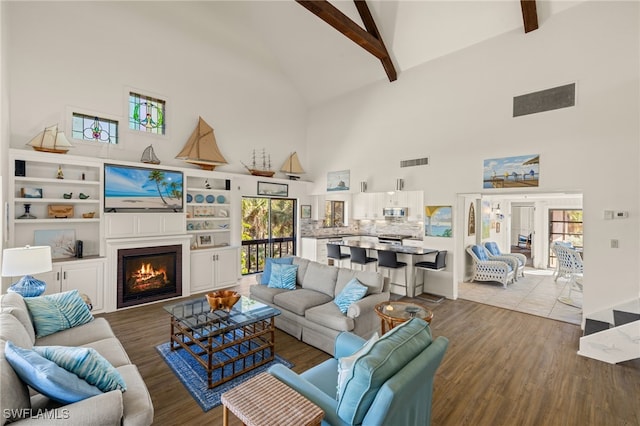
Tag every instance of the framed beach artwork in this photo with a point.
(61, 241)
(273, 189)
(486, 219)
(438, 221)
(512, 172)
(338, 181)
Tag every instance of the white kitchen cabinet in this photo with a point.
(214, 268)
(316, 248)
(85, 275)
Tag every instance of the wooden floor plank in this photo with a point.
(501, 368)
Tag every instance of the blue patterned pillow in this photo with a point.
(266, 274)
(352, 292)
(283, 276)
(85, 363)
(57, 312)
(46, 377)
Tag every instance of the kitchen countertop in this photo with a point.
(391, 247)
(324, 237)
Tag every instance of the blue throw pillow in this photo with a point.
(47, 377)
(57, 312)
(266, 274)
(352, 292)
(85, 363)
(283, 276)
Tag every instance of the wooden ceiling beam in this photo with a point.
(529, 15)
(370, 25)
(369, 41)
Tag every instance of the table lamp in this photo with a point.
(26, 261)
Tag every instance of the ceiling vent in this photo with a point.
(415, 162)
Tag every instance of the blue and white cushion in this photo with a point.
(85, 363)
(57, 312)
(283, 276)
(352, 292)
(47, 377)
(266, 273)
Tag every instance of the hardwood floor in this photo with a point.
(501, 368)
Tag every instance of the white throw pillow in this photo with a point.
(345, 364)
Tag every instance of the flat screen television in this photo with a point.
(129, 188)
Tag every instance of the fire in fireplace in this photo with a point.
(147, 274)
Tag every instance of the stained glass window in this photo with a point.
(146, 114)
(92, 128)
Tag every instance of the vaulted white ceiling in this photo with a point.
(322, 63)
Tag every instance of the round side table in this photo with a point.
(393, 313)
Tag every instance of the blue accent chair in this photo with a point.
(494, 251)
(409, 357)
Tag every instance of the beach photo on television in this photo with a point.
(141, 188)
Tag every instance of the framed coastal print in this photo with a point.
(338, 181)
(512, 172)
(305, 211)
(61, 241)
(273, 189)
(438, 221)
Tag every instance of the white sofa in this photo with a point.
(309, 313)
(21, 404)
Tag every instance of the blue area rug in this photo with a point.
(194, 377)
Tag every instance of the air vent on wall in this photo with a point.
(415, 162)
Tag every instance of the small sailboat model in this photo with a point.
(265, 170)
(149, 157)
(50, 140)
(291, 167)
(201, 148)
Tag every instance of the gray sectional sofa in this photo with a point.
(309, 313)
(22, 405)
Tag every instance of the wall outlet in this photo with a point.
(608, 214)
(614, 243)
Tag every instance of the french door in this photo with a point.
(268, 230)
(564, 225)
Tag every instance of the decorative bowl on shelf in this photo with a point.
(189, 198)
(210, 199)
(88, 215)
(222, 299)
(199, 198)
(221, 199)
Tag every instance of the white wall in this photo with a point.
(457, 111)
(66, 55)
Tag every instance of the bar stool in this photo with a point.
(439, 263)
(334, 252)
(389, 259)
(359, 256)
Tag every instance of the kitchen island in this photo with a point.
(408, 254)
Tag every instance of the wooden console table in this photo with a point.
(266, 401)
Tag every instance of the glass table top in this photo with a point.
(198, 315)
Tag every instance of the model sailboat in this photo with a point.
(201, 148)
(256, 169)
(291, 167)
(50, 140)
(149, 156)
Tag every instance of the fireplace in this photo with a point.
(147, 274)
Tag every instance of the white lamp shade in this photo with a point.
(26, 261)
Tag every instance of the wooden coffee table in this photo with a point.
(393, 313)
(266, 401)
(230, 343)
